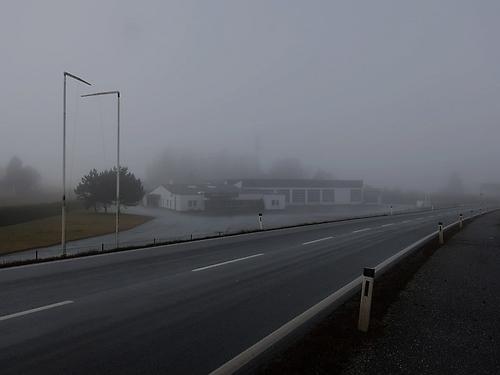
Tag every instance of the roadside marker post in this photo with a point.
(391, 210)
(365, 304)
(261, 225)
(460, 221)
(441, 233)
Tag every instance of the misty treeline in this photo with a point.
(18, 179)
(452, 193)
(98, 189)
(193, 167)
(177, 166)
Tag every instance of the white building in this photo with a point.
(256, 194)
(210, 197)
(271, 201)
(176, 197)
(300, 192)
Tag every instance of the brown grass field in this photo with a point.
(47, 232)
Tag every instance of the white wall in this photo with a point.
(177, 202)
(267, 199)
(182, 202)
(279, 201)
(342, 195)
(161, 191)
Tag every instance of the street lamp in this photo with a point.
(117, 221)
(63, 219)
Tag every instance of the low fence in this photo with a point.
(55, 252)
(364, 283)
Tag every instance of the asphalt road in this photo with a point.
(186, 308)
(169, 225)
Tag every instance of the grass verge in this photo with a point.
(47, 231)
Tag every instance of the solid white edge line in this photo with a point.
(255, 350)
(318, 240)
(227, 262)
(37, 309)
(252, 352)
(361, 230)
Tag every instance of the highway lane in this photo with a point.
(186, 308)
(169, 225)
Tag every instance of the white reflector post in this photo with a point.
(366, 299)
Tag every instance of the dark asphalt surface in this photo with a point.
(151, 311)
(447, 320)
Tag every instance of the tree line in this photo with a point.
(188, 166)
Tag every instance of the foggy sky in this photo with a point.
(393, 92)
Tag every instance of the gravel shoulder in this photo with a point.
(447, 319)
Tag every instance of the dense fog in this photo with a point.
(400, 94)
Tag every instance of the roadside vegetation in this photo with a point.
(30, 226)
(11, 215)
(98, 189)
(47, 231)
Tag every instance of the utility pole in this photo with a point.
(117, 216)
(63, 218)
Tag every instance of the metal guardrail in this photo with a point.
(333, 301)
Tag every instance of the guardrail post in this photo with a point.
(441, 233)
(365, 304)
(460, 221)
(154, 240)
(102, 246)
(261, 225)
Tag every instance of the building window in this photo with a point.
(356, 195)
(313, 196)
(195, 203)
(298, 196)
(329, 195)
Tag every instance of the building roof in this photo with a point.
(295, 183)
(182, 189)
(206, 189)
